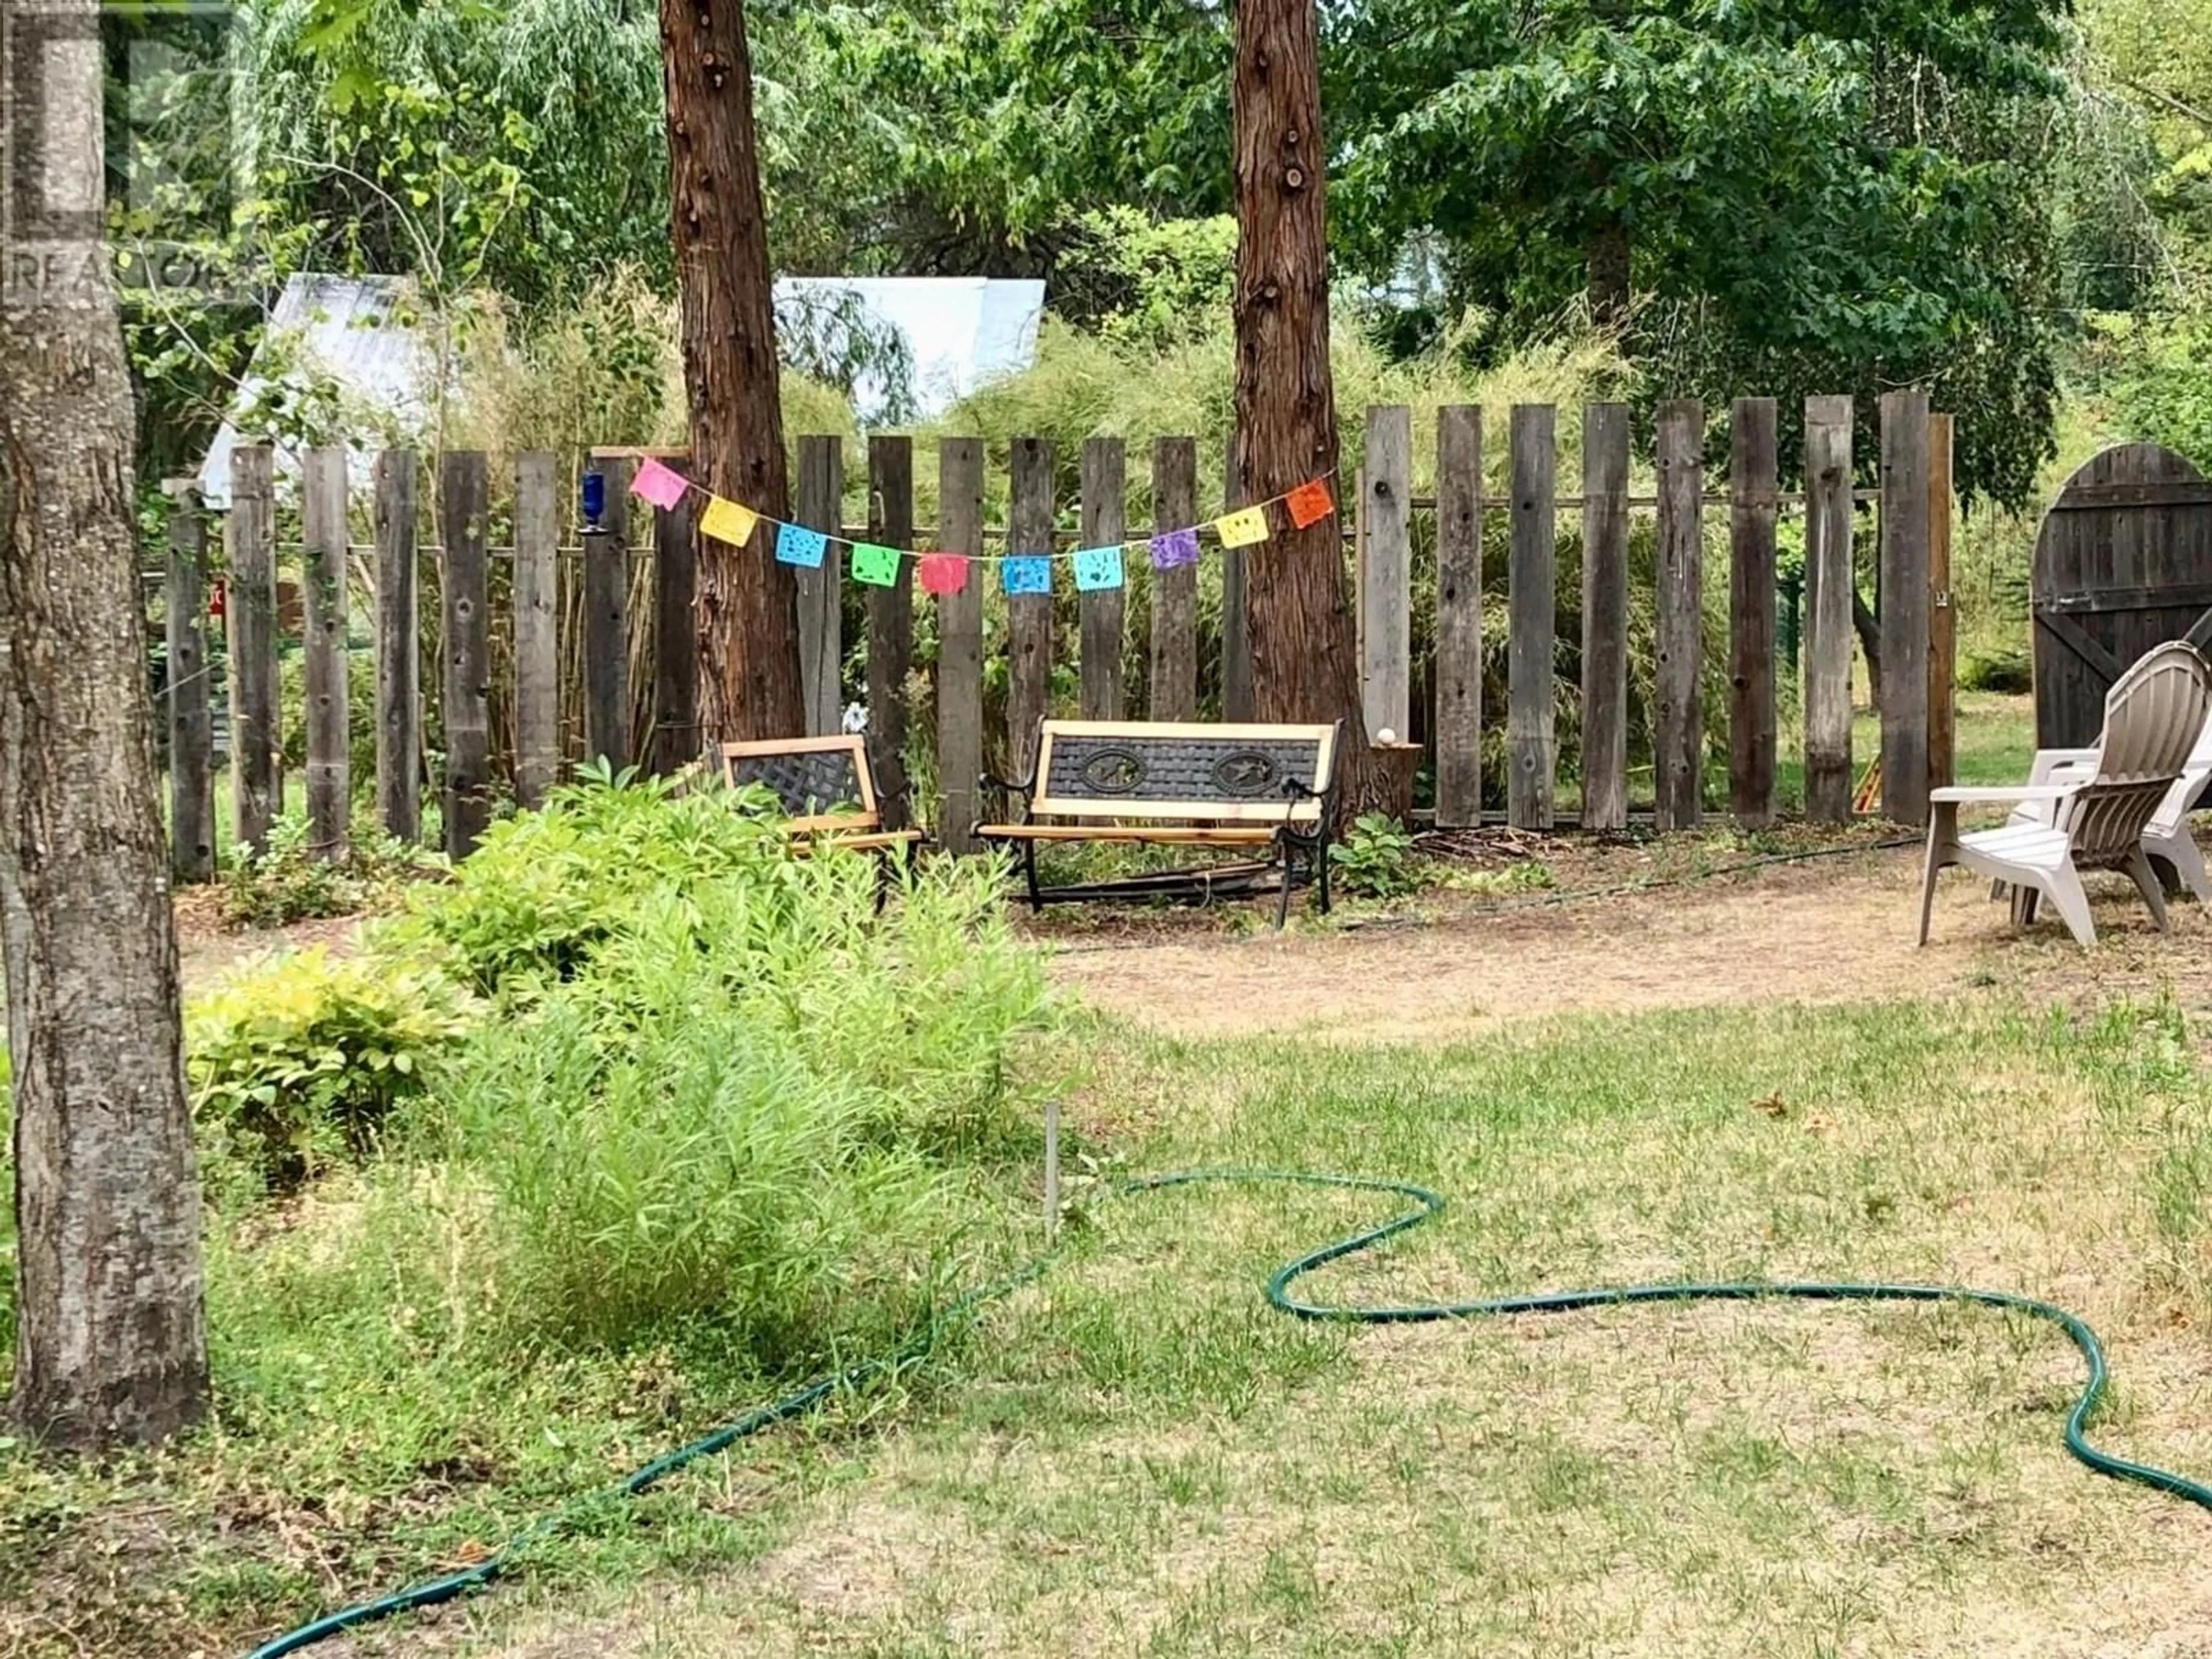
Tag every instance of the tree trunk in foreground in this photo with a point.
(1304, 664)
(111, 1341)
(748, 624)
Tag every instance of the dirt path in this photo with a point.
(1838, 930)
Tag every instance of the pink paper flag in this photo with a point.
(943, 574)
(659, 484)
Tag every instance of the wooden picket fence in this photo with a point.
(596, 655)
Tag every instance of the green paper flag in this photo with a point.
(878, 566)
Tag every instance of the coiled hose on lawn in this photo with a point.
(1427, 1206)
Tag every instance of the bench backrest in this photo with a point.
(1159, 769)
(820, 783)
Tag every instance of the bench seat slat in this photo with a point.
(1181, 835)
(868, 840)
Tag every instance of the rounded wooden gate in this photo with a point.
(2123, 562)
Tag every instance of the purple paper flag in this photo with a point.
(1174, 549)
(660, 485)
(1026, 572)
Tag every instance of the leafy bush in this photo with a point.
(2005, 669)
(544, 889)
(748, 1099)
(1374, 859)
(299, 1060)
(285, 882)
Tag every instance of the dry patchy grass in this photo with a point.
(1138, 1457)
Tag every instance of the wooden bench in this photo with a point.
(1157, 783)
(825, 792)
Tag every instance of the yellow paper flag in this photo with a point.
(728, 521)
(1244, 528)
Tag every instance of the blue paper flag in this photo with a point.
(796, 544)
(1026, 574)
(1097, 567)
(1173, 548)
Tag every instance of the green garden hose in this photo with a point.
(1428, 1205)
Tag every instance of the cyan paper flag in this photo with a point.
(1026, 572)
(1097, 567)
(796, 544)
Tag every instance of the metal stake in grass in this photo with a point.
(1051, 1173)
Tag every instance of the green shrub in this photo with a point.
(1375, 860)
(284, 882)
(2006, 669)
(298, 1060)
(544, 889)
(753, 1100)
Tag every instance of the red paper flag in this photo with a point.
(943, 574)
(1309, 503)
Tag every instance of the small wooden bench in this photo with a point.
(825, 791)
(1160, 783)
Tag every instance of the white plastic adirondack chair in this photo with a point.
(2153, 719)
(2166, 838)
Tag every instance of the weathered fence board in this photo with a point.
(1103, 611)
(1904, 606)
(1532, 613)
(1458, 616)
(1752, 507)
(1387, 614)
(606, 622)
(675, 740)
(1828, 634)
(582, 619)
(1028, 616)
(398, 651)
(536, 614)
(1942, 613)
(191, 731)
(1236, 608)
(250, 614)
(323, 516)
(1678, 740)
(1174, 682)
(820, 597)
(463, 508)
(1604, 616)
(960, 645)
(890, 626)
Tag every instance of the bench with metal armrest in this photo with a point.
(1156, 783)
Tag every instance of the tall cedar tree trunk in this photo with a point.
(1610, 296)
(111, 1342)
(1304, 664)
(748, 623)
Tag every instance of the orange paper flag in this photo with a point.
(1309, 503)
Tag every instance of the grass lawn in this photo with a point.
(1138, 1456)
(1757, 1078)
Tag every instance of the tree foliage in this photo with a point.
(1824, 196)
